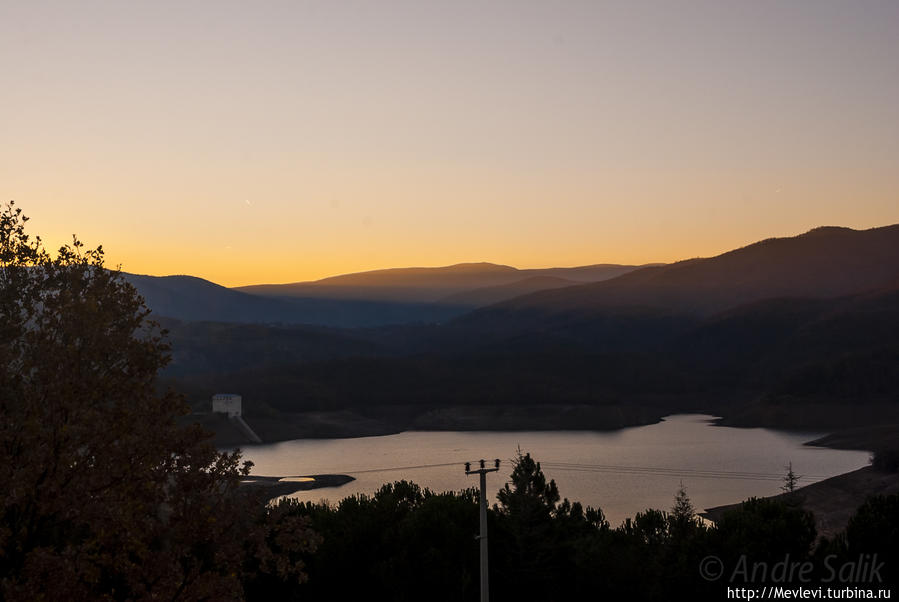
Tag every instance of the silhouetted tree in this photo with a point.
(682, 513)
(393, 545)
(874, 530)
(537, 537)
(103, 495)
(404, 540)
(791, 479)
(765, 529)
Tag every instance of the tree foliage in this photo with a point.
(104, 495)
(401, 543)
(790, 480)
(683, 514)
(874, 529)
(766, 529)
(404, 540)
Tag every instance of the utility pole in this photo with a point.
(485, 588)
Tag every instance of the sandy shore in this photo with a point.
(273, 487)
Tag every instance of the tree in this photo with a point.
(392, 545)
(765, 529)
(791, 479)
(682, 520)
(529, 495)
(537, 537)
(683, 508)
(873, 531)
(104, 495)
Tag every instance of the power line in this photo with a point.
(664, 471)
(653, 468)
(616, 469)
(771, 478)
(395, 468)
(661, 469)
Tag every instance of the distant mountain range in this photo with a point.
(822, 263)
(366, 299)
(825, 262)
(194, 299)
(800, 331)
(489, 295)
(436, 285)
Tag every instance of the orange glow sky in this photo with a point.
(260, 142)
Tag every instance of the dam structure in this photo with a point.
(230, 404)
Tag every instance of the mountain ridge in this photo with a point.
(742, 275)
(428, 284)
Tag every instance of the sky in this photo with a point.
(265, 142)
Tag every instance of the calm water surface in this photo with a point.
(622, 471)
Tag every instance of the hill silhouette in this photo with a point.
(366, 299)
(191, 299)
(823, 263)
(431, 285)
(489, 295)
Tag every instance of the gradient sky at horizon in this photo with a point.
(283, 141)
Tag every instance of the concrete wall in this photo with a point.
(226, 403)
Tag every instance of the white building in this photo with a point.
(226, 403)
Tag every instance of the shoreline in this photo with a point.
(315, 425)
(275, 487)
(848, 427)
(347, 424)
(832, 500)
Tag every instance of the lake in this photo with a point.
(622, 471)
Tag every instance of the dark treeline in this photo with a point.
(406, 543)
(718, 368)
(836, 351)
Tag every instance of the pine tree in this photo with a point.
(682, 519)
(791, 479)
(683, 508)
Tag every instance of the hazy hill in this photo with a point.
(189, 298)
(588, 273)
(432, 284)
(382, 297)
(396, 284)
(825, 262)
(489, 295)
